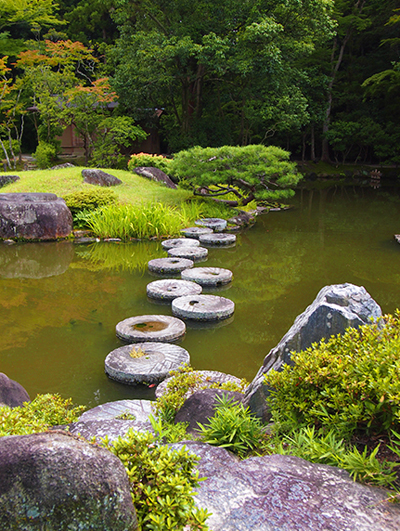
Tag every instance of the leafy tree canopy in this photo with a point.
(249, 172)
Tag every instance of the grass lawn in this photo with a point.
(135, 189)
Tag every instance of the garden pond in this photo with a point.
(60, 302)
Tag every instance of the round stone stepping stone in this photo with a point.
(215, 224)
(194, 232)
(169, 289)
(203, 307)
(172, 264)
(153, 367)
(192, 253)
(217, 239)
(178, 242)
(150, 328)
(208, 276)
(140, 409)
(207, 378)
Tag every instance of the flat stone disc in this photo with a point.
(206, 379)
(153, 367)
(150, 328)
(215, 224)
(169, 265)
(203, 307)
(140, 409)
(169, 289)
(208, 276)
(217, 239)
(177, 242)
(194, 232)
(192, 253)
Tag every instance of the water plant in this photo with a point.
(137, 352)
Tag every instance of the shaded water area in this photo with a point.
(60, 302)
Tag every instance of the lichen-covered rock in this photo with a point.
(7, 179)
(100, 178)
(12, 393)
(55, 482)
(155, 174)
(286, 493)
(335, 308)
(34, 216)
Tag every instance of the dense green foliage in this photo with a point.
(233, 427)
(349, 384)
(89, 199)
(162, 482)
(249, 172)
(149, 160)
(37, 416)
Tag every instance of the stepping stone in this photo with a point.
(166, 266)
(140, 409)
(152, 367)
(177, 242)
(208, 276)
(194, 232)
(217, 239)
(207, 378)
(203, 307)
(215, 224)
(150, 328)
(169, 289)
(192, 253)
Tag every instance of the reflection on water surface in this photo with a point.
(59, 302)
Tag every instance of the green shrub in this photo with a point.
(37, 416)
(184, 380)
(85, 200)
(162, 482)
(45, 154)
(349, 383)
(149, 160)
(233, 427)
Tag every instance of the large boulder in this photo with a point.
(34, 216)
(286, 493)
(100, 178)
(12, 393)
(201, 406)
(335, 308)
(53, 481)
(154, 174)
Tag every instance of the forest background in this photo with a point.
(320, 78)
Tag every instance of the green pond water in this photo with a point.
(60, 302)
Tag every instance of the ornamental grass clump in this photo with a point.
(349, 384)
(136, 221)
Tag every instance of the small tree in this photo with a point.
(249, 172)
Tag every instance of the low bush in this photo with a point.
(44, 155)
(349, 384)
(39, 415)
(162, 482)
(89, 199)
(233, 427)
(149, 160)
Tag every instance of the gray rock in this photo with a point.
(202, 307)
(155, 174)
(100, 178)
(335, 308)
(12, 393)
(7, 179)
(110, 428)
(53, 481)
(62, 166)
(200, 407)
(34, 216)
(286, 493)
